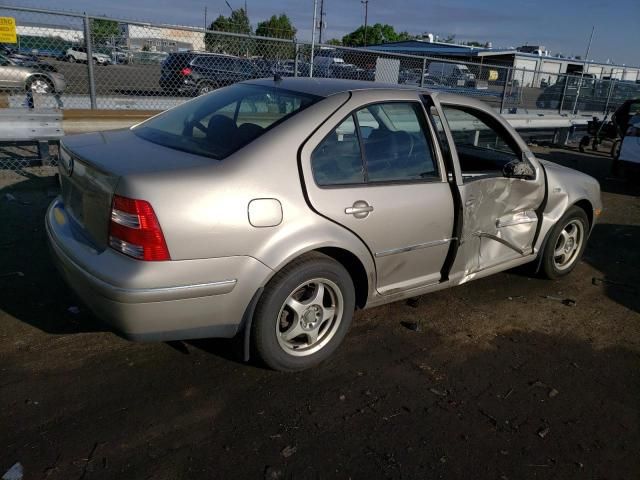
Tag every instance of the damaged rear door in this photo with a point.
(499, 213)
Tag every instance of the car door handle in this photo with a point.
(360, 209)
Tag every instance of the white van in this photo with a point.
(451, 74)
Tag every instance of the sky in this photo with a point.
(563, 26)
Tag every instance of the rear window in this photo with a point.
(220, 123)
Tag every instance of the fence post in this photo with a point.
(296, 46)
(424, 72)
(89, 47)
(504, 90)
(564, 92)
(609, 90)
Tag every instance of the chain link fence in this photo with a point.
(73, 61)
(63, 60)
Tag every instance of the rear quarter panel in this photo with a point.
(203, 211)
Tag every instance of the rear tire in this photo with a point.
(566, 243)
(206, 87)
(298, 324)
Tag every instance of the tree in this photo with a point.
(376, 34)
(238, 22)
(334, 41)
(277, 27)
(448, 39)
(104, 31)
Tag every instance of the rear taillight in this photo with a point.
(186, 71)
(134, 230)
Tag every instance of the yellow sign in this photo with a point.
(493, 74)
(8, 30)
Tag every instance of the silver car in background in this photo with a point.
(274, 208)
(30, 76)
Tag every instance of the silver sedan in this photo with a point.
(273, 209)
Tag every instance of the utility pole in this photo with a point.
(584, 67)
(321, 26)
(366, 14)
(313, 35)
(205, 17)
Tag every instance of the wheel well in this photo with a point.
(588, 209)
(355, 268)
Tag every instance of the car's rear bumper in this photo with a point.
(155, 301)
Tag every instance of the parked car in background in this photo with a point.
(121, 56)
(195, 73)
(336, 67)
(275, 208)
(79, 54)
(451, 74)
(17, 56)
(595, 94)
(37, 77)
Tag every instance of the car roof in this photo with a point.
(324, 87)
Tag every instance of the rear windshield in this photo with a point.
(220, 123)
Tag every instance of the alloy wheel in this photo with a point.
(309, 317)
(568, 245)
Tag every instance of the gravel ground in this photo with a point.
(498, 382)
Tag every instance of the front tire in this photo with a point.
(304, 313)
(565, 244)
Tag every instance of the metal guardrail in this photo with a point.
(104, 63)
(40, 128)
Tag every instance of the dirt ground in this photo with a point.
(498, 382)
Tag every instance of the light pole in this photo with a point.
(313, 35)
(584, 67)
(366, 14)
(321, 26)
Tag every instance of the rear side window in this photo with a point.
(386, 142)
(338, 159)
(220, 123)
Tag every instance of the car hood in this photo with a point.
(122, 152)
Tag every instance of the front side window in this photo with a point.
(483, 146)
(220, 123)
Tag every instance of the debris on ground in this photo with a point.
(553, 393)
(413, 326)
(414, 302)
(440, 393)
(543, 432)
(569, 302)
(288, 451)
(271, 473)
(14, 473)
(73, 310)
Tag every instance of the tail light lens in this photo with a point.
(134, 230)
(186, 71)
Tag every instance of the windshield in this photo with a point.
(220, 123)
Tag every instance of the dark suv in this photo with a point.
(196, 73)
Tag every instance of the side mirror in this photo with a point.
(519, 169)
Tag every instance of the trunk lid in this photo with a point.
(91, 165)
